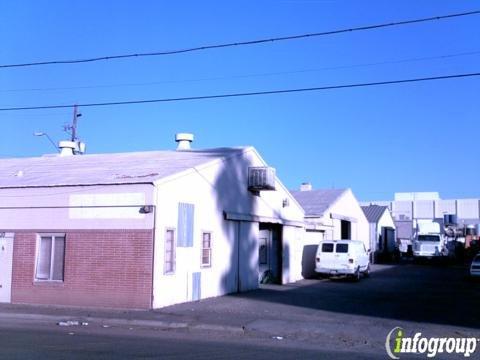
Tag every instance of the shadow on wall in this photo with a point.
(233, 196)
(309, 254)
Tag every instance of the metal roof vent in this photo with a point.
(306, 186)
(67, 148)
(183, 141)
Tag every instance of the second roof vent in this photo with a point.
(183, 141)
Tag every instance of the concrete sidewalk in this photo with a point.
(107, 317)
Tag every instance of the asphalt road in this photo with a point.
(311, 319)
(48, 343)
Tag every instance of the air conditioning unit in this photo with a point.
(261, 178)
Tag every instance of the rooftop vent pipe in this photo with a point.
(183, 141)
(67, 147)
(306, 186)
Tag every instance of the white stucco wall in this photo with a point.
(216, 188)
(348, 206)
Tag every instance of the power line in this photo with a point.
(256, 93)
(246, 76)
(247, 42)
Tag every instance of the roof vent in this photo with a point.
(306, 186)
(67, 147)
(183, 141)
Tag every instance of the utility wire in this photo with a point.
(246, 76)
(243, 43)
(256, 93)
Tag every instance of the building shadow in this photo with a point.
(424, 294)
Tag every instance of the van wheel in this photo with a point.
(366, 273)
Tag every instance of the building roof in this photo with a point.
(120, 168)
(316, 202)
(373, 213)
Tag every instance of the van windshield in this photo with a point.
(328, 247)
(428, 238)
(342, 248)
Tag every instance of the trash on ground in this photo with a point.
(68, 323)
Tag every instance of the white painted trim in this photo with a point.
(52, 257)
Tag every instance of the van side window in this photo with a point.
(327, 248)
(342, 248)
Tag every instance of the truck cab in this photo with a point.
(428, 241)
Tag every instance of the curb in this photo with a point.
(54, 319)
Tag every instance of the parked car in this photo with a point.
(342, 257)
(475, 266)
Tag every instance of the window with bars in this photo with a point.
(169, 260)
(50, 258)
(206, 249)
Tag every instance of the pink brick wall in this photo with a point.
(103, 268)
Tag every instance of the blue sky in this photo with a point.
(411, 137)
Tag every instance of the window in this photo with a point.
(169, 260)
(206, 249)
(327, 247)
(185, 224)
(50, 258)
(342, 248)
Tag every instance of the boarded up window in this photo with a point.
(185, 225)
(169, 262)
(206, 249)
(196, 286)
(50, 258)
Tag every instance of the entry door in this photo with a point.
(6, 262)
(264, 253)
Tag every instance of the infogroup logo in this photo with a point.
(397, 343)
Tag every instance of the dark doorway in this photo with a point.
(346, 229)
(270, 253)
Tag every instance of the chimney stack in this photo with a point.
(306, 186)
(183, 141)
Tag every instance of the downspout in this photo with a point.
(153, 252)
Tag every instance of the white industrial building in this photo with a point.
(145, 229)
(382, 231)
(407, 208)
(330, 214)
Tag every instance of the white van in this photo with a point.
(342, 257)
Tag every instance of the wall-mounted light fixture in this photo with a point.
(147, 209)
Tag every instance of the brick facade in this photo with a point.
(103, 268)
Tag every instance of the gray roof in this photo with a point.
(374, 212)
(316, 202)
(120, 168)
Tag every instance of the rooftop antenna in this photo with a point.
(72, 129)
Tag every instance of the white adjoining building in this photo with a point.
(382, 231)
(330, 214)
